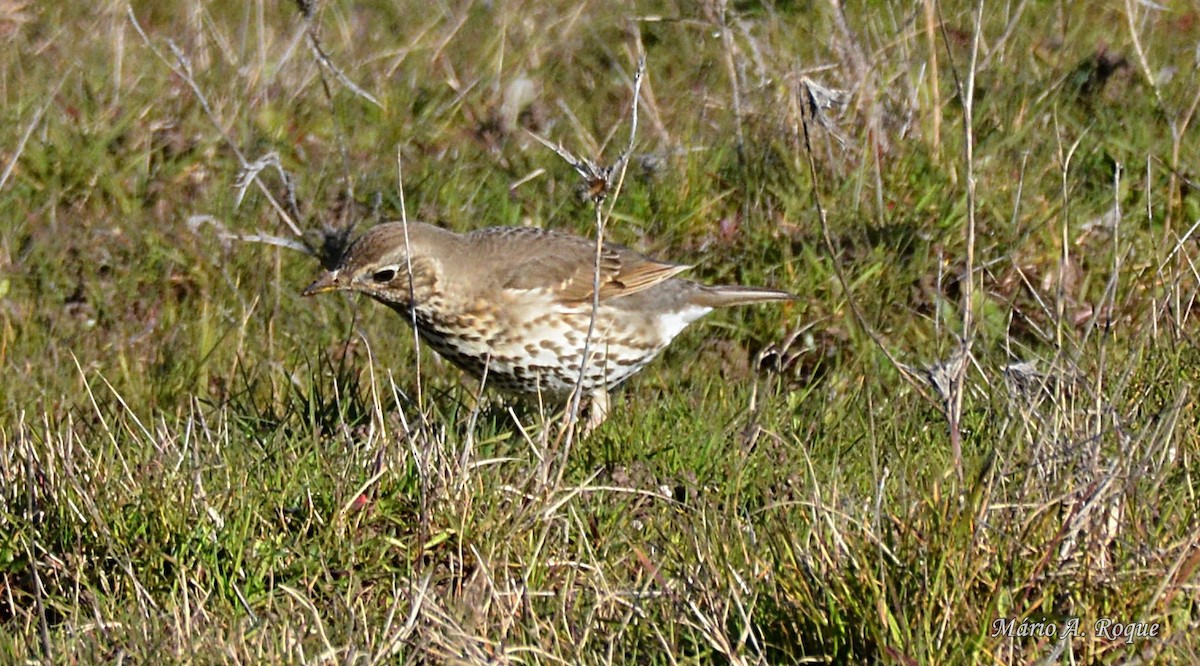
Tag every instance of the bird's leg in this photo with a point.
(598, 407)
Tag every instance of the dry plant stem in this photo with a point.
(1177, 129)
(576, 395)
(935, 96)
(118, 66)
(183, 69)
(408, 267)
(341, 77)
(266, 239)
(417, 593)
(464, 458)
(865, 82)
(1009, 29)
(327, 64)
(968, 306)
(830, 248)
(608, 187)
(734, 79)
(1060, 296)
(260, 24)
(423, 470)
(958, 86)
(39, 589)
(377, 408)
(1145, 64)
(33, 125)
(647, 97)
(1107, 302)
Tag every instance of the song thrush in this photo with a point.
(518, 302)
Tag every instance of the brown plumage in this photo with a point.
(518, 301)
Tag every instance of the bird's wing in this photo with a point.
(566, 264)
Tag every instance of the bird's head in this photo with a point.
(379, 264)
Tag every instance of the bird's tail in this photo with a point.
(723, 296)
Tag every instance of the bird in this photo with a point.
(513, 306)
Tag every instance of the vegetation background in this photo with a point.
(981, 408)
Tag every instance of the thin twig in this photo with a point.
(806, 111)
(38, 587)
(967, 99)
(998, 47)
(250, 173)
(599, 180)
(729, 49)
(196, 221)
(412, 299)
(33, 124)
(341, 77)
(935, 92)
(183, 69)
(309, 11)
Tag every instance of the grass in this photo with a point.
(198, 465)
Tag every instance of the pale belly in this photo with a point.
(543, 355)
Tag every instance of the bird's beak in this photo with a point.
(330, 281)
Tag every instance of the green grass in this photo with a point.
(199, 465)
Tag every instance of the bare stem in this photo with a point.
(968, 306)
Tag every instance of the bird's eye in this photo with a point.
(384, 276)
